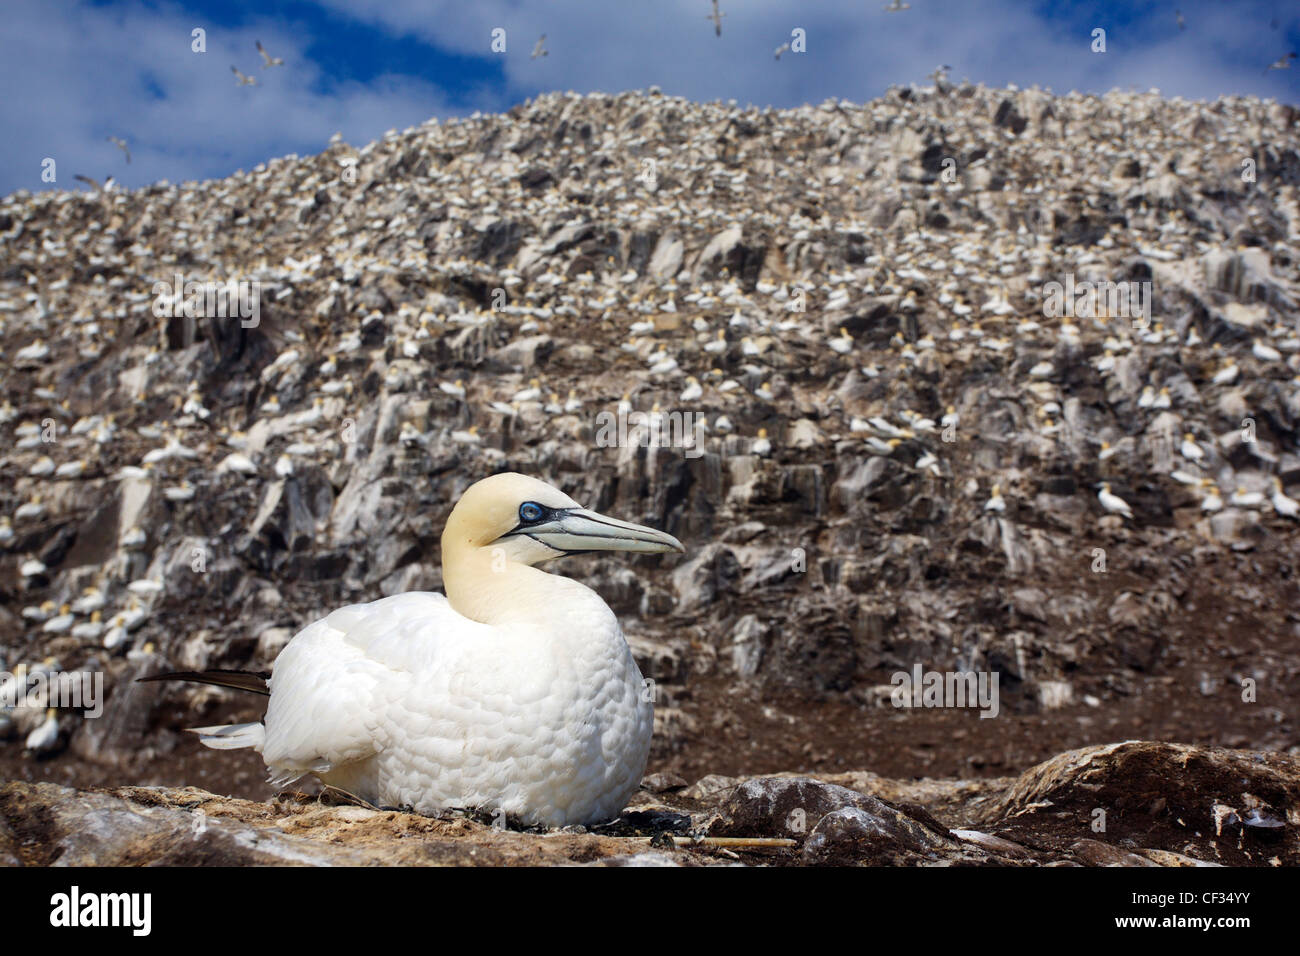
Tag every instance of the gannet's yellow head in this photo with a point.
(532, 522)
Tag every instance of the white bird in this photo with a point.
(530, 394)
(1287, 507)
(267, 59)
(896, 6)
(145, 587)
(1227, 374)
(1241, 498)
(1113, 503)
(716, 16)
(514, 693)
(116, 633)
(182, 492)
(60, 623)
(781, 49)
(996, 503)
(89, 630)
(1265, 352)
(1282, 63)
(843, 343)
(1190, 450)
(44, 738)
(238, 462)
(241, 79)
(762, 446)
(1212, 501)
(540, 48)
(286, 359)
(121, 144)
(38, 351)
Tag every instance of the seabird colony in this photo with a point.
(855, 303)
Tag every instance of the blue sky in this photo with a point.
(75, 71)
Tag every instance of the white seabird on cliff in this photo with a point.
(516, 692)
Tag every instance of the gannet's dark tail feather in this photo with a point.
(252, 681)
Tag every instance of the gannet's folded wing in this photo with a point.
(332, 685)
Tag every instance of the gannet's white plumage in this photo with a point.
(515, 692)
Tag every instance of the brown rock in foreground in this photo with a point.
(1162, 804)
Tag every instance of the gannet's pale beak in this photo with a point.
(575, 530)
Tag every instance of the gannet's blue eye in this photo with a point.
(530, 511)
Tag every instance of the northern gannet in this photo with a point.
(516, 692)
(1287, 507)
(996, 502)
(716, 16)
(1282, 63)
(267, 59)
(46, 736)
(121, 144)
(241, 79)
(1242, 498)
(1112, 502)
(1212, 501)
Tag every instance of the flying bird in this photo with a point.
(1178, 15)
(121, 144)
(897, 6)
(107, 187)
(516, 692)
(781, 49)
(267, 59)
(716, 16)
(540, 48)
(241, 80)
(1282, 64)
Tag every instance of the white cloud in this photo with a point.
(75, 74)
